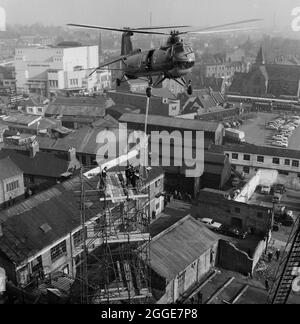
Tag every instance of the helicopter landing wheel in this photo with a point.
(118, 82)
(190, 89)
(149, 92)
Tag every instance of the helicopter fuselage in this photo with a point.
(173, 61)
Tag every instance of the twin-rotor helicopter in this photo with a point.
(174, 60)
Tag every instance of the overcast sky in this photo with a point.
(136, 12)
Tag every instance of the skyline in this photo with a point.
(276, 14)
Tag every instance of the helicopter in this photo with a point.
(173, 60)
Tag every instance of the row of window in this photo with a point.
(60, 249)
(12, 186)
(74, 82)
(53, 83)
(261, 159)
(40, 110)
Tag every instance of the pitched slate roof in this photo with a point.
(179, 246)
(171, 122)
(83, 140)
(43, 164)
(8, 168)
(21, 224)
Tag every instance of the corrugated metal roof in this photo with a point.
(171, 122)
(179, 246)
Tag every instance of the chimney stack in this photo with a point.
(72, 154)
(33, 149)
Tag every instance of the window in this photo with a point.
(287, 162)
(246, 157)
(157, 206)
(235, 156)
(58, 251)
(246, 170)
(227, 155)
(12, 186)
(40, 110)
(260, 159)
(276, 161)
(78, 237)
(259, 215)
(295, 163)
(237, 210)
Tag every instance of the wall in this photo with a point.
(233, 259)
(6, 196)
(230, 212)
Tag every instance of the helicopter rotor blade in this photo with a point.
(222, 31)
(219, 26)
(123, 30)
(160, 27)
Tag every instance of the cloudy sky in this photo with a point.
(136, 12)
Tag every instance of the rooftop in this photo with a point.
(8, 168)
(56, 207)
(171, 122)
(85, 140)
(258, 150)
(180, 245)
(43, 164)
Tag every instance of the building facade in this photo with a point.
(11, 182)
(248, 159)
(44, 69)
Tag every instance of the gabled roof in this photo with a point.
(43, 164)
(171, 122)
(107, 122)
(179, 246)
(83, 140)
(56, 207)
(8, 168)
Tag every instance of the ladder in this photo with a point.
(287, 276)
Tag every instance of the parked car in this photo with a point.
(211, 224)
(279, 188)
(279, 144)
(265, 190)
(277, 197)
(286, 218)
(233, 231)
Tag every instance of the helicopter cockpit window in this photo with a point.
(188, 49)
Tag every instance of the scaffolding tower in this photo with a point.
(114, 263)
